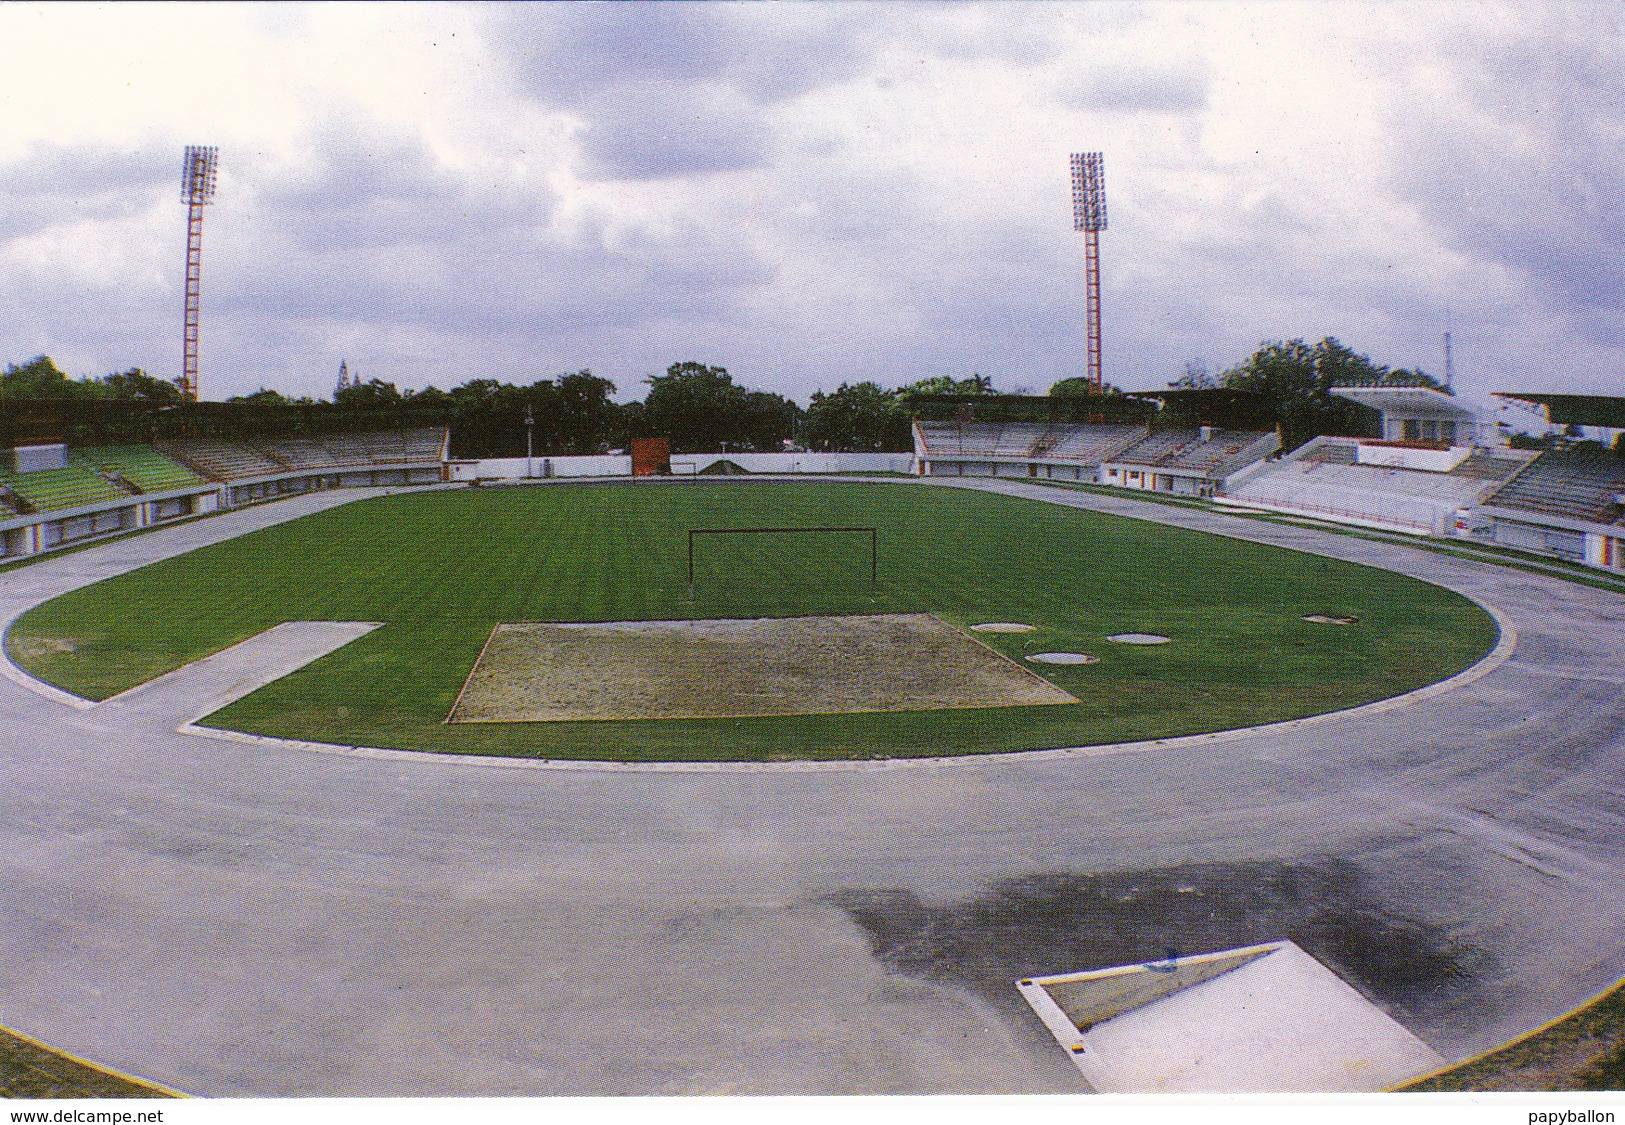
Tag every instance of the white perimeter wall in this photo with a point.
(800, 462)
(1398, 457)
(515, 468)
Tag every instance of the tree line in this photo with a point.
(698, 407)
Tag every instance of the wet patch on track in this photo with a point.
(1070, 922)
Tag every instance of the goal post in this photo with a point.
(872, 533)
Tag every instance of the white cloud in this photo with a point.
(810, 193)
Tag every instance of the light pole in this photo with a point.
(1089, 216)
(530, 445)
(197, 189)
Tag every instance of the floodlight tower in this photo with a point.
(1089, 216)
(197, 189)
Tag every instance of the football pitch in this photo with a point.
(442, 570)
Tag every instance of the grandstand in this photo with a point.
(222, 460)
(1413, 488)
(110, 488)
(1193, 461)
(269, 457)
(140, 466)
(57, 489)
(1067, 451)
(1566, 503)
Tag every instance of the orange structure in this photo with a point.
(651, 456)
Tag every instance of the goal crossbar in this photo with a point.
(871, 532)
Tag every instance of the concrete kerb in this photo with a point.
(15, 673)
(90, 1064)
(1499, 655)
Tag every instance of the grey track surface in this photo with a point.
(253, 919)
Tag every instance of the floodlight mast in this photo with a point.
(197, 190)
(1089, 216)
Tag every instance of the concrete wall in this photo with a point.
(1399, 457)
(36, 458)
(614, 465)
(519, 468)
(43, 531)
(801, 462)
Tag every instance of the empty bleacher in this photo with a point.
(1576, 485)
(1188, 450)
(52, 490)
(1484, 464)
(1096, 443)
(1330, 452)
(1077, 443)
(141, 465)
(1324, 479)
(222, 460)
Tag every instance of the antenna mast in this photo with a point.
(197, 189)
(1089, 216)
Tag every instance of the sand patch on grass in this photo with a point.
(539, 672)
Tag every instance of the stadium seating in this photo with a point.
(264, 457)
(140, 465)
(1324, 479)
(1026, 441)
(1188, 450)
(55, 489)
(221, 460)
(1575, 485)
(1330, 452)
(1485, 465)
(1091, 445)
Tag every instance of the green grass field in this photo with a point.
(440, 569)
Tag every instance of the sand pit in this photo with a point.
(1001, 627)
(1323, 619)
(1063, 658)
(711, 669)
(1139, 639)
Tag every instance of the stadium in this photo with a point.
(1259, 734)
(844, 773)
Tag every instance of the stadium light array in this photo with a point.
(1089, 216)
(197, 190)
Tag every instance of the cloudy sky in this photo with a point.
(810, 194)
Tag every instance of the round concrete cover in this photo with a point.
(1139, 639)
(1063, 658)
(1001, 627)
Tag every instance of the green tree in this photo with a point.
(261, 397)
(700, 409)
(588, 419)
(1079, 385)
(38, 378)
(372, 394)
(856, 418)
(1296, 379)
(135, 385)
(948, 385)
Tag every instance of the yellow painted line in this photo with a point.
(1510, 1043)
(106, 1071)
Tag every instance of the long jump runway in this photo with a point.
(245, 919)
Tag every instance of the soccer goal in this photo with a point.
(872, 533)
